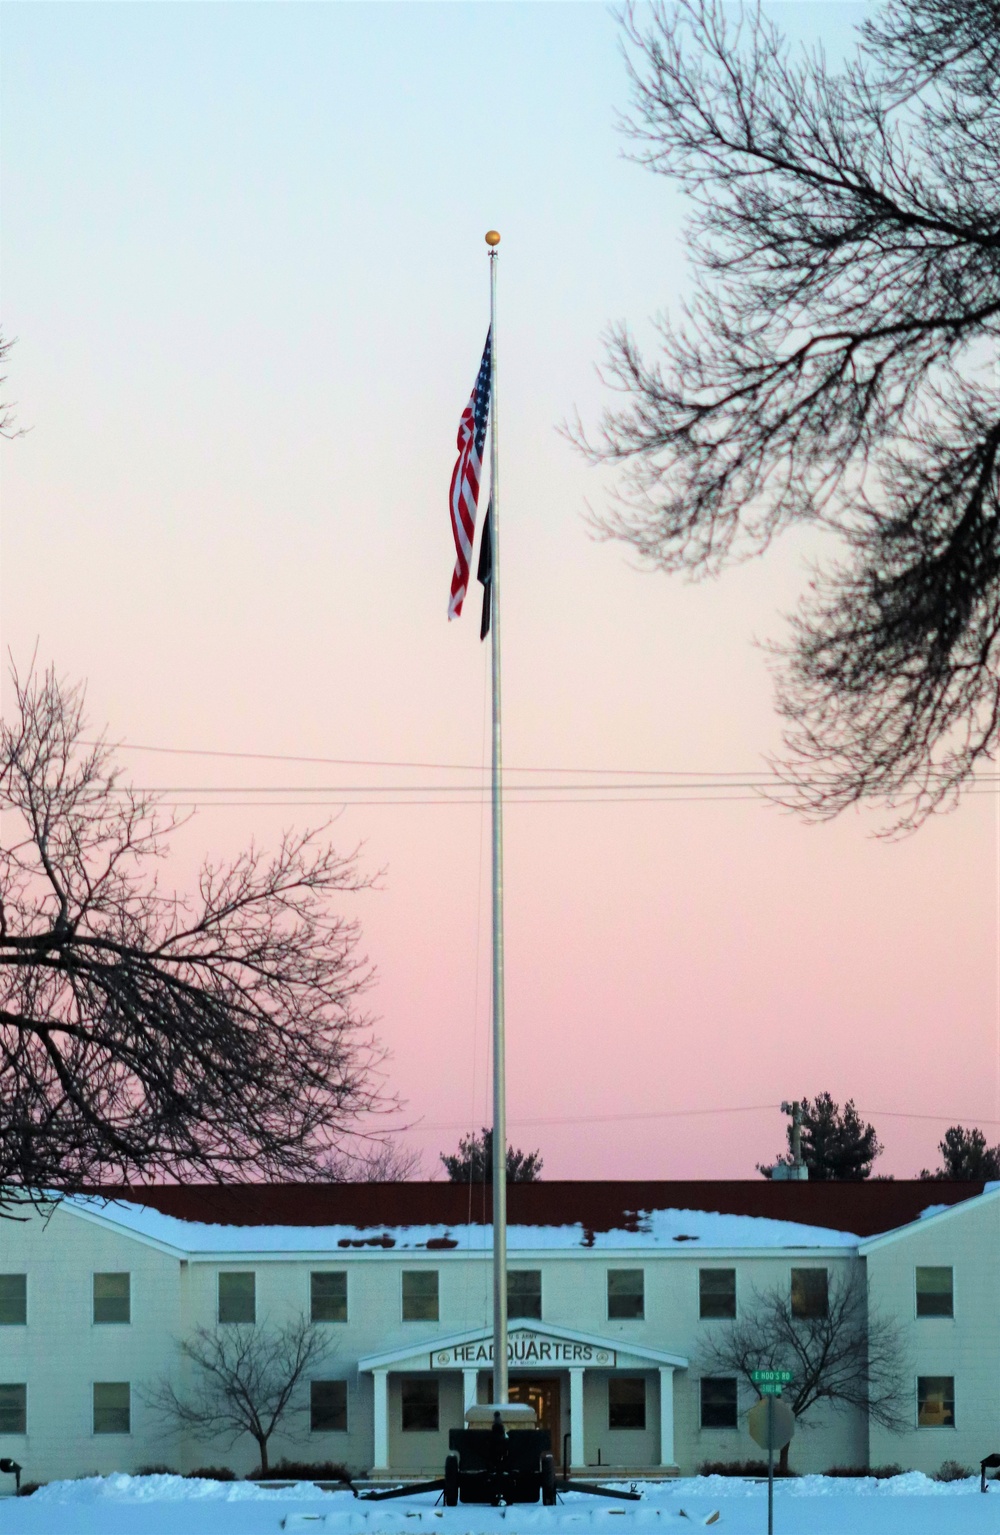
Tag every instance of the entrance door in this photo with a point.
(543, 1396)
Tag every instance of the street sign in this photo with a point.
(771, 1377)
(771, 1424)
(770, 1388)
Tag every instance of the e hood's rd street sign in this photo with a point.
(771, 1377)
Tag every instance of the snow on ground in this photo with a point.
(808, 1505)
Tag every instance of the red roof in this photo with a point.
(863, 1208)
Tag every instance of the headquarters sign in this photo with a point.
(524, 1348)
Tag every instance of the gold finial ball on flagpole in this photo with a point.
(492, 237)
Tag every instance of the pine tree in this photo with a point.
(836, 1147)
(473, 1162)
(966, 1157)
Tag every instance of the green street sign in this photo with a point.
(774, 1377)
(770, 1388)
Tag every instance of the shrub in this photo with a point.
(27, 1488)
(157, 1471)
(304, 1471)
(880, 1473)
(739, 1468)
(211, 1474)
(951, 1471)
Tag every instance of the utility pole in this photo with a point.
(796, 1169)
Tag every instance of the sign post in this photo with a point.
(771, 1424)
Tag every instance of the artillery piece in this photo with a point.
(499, 1457)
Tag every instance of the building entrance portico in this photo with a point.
(554, 1368)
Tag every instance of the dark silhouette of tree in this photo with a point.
(7, 418)
(836, 368)
(849, 1356)
(244, 1380)
(836, 1146)
(473, 1162)
(146, 1034)
(966, 1157)
(375, 1161)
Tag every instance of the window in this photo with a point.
(718, 1402)
(112, 1298)
(420, 1297)
(13, 1300)
(935, 1292)
(112, 1407)
(524, 1292)
(420, 1406)
(13, 1408)
(238, 1297)
(935, 1401)
(328, 1295)
(625, 1293)
(716, 1293)
(328, 1406)
(626, 1401)
(810, 1293)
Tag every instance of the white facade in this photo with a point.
(80, 1353)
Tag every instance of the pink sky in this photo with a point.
(243, 257)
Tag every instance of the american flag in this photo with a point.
(464, 498)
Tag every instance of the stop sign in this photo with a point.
(773, 1434)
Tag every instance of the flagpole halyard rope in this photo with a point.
(500, 1379)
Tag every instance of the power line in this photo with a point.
(424, 788)
(442, 804)
(758, 774)
(747, 1108)
(457, 767)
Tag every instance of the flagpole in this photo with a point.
(500, 1381)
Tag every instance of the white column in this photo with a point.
(470, 1387)
(667, 1415)
(576, 1446)
(381, 1419)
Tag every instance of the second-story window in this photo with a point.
(328, 1296)
(420, 1295)
(524, 1293)
(716, 1293)
(13, 1300)
(626, 1294)
(810, 1294)
(935, 1292)
(238, 1297)
(112, 1297)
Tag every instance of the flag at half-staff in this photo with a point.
(466, 478)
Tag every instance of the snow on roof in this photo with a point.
(660, 1230)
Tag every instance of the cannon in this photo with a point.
(499, 1457)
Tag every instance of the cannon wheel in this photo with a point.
(548, 1480)
(451, 1481)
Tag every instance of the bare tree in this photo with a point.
(376, 1161)
(837, 367)
(7, 417)
(844, 1354)
(246, 1379)
(148, 1034)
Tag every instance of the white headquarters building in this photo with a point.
(613, 1290)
